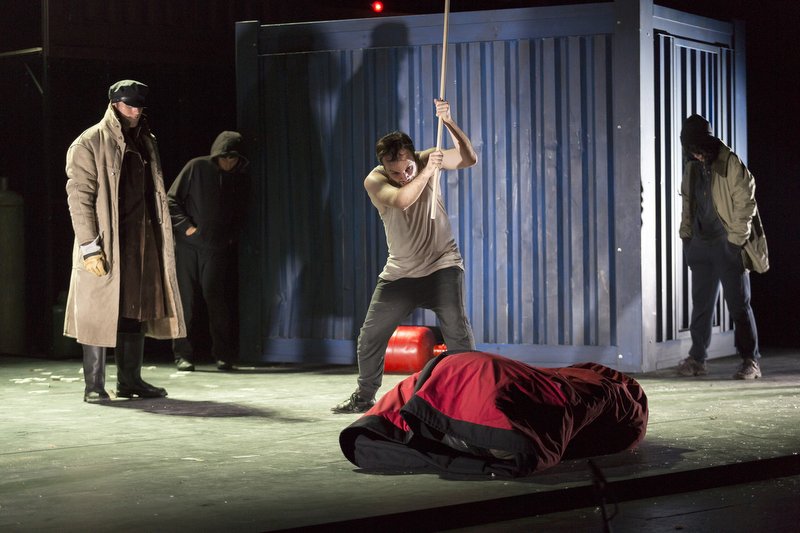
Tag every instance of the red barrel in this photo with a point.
(439, 349)
(409, 348)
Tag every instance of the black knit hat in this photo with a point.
(696, 132)
(130, 92)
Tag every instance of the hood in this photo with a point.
(229, 143)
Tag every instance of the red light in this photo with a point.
(377, 7)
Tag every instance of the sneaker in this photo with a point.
(354, 404)
(692, 367)
(184, 365)
(748, 370)
(224, 365)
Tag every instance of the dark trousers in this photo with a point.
(713, 263)
(442, 292)
(206, 272)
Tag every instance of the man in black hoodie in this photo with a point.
(205, 203)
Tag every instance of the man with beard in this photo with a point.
(123, 284)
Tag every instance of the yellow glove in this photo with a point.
(96, 264)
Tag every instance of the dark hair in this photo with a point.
(391, 144)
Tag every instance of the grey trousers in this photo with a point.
(442, 292)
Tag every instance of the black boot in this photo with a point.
(129, 355)
(94, 374)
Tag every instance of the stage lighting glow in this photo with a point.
(377, 7)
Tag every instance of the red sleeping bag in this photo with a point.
(479, 413)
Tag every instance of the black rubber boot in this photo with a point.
(129, 355)
(94, 374)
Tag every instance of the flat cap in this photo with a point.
(130, 92)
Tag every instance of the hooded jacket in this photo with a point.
(94, 165)
(205, 196)
(480, 413)
(733, 191)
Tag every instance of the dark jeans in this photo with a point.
(713, 263)
(206, 272)
(442, 292)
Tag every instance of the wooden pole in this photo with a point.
(441, 97)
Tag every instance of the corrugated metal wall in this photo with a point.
(532, 219)
(556, 222)
(535, 228)
(692, 77)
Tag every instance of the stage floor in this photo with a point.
(257, 450)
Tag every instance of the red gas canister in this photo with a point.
(409, 348)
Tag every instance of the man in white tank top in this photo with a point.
(424, 267)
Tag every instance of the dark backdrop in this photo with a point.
(190, 68)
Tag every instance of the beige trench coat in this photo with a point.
(93, 166)
(733, 191)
